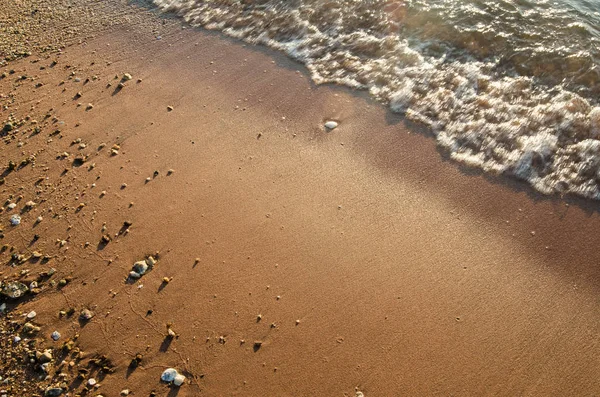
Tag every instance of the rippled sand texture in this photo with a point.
(507, 88)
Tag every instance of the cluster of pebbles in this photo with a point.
(33, 365)
(141, 267)
(35, 359)
(170, 375)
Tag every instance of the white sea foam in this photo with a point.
(503, 123)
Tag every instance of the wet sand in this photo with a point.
(374, 263)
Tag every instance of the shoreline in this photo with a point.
(400, 268)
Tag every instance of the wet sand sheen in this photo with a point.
(401, 269)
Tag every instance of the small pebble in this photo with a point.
(179, 379)
(55, 336)
(168, 375)
(86, 315)
(330, 125)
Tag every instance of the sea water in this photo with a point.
(509, 86)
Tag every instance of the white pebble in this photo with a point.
(179, 379)
(169, 375)
(330, 125)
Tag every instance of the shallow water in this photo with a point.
(510, 86)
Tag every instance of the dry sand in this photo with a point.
(374, 264)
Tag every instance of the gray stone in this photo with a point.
(169, 375)
(140, 267)
(53, 392)
(13, 289)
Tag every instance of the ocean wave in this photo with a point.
(504, 113)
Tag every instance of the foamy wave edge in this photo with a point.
(501, 125)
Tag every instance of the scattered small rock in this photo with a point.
(55, 336)
(29, 328)
(15, 220)
(330, 125)
(86, 315)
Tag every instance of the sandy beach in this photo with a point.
(291, 260)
